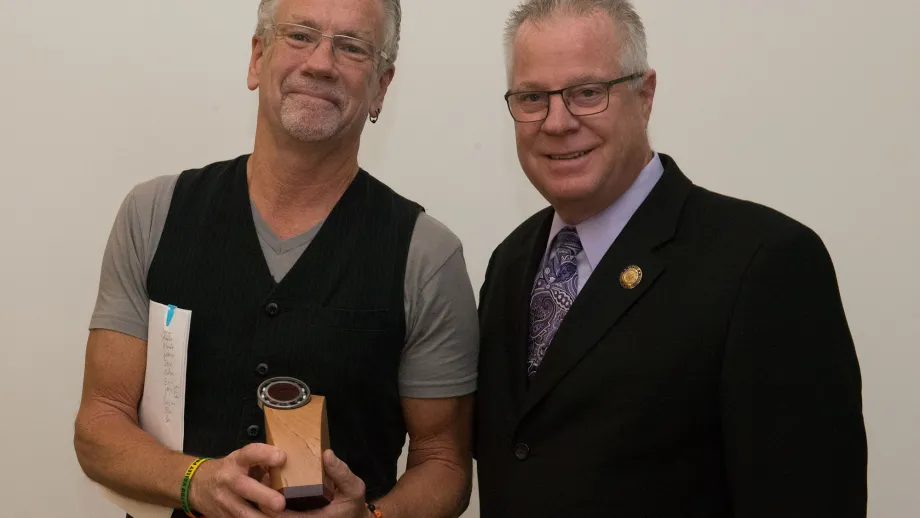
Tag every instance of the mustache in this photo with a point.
(314, 88)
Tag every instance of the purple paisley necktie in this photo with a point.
(554, 290)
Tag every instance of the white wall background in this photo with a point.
(809, 106)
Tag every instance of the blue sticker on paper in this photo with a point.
(169, 314)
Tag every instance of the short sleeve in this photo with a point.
(440, 358)
(121, 301)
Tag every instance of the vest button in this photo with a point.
(253, 430)
(522, 451)
(262, 369)
(271, 309)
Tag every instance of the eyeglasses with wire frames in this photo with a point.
(580, 100)
(344, 48)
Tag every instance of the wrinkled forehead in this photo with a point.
(360, 18)
(563, 50)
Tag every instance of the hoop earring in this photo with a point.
(374, 117)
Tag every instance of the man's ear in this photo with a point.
(383, 84)
(255, 63)
(647, 93)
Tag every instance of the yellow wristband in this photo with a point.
(187, 483)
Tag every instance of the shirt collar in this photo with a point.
(599, 232)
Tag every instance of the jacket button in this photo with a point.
(271, 309)
(262, 369)
(253, 430)
(522, 451)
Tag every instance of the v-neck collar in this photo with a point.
(273, 241)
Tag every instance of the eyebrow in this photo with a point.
(579, 80)
(302, 20)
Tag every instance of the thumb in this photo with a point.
(346, 482)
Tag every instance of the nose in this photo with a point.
(559, 120)
(320, 63)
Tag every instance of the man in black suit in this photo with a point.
(651, 348)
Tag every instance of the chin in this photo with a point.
(568, 185)
(566, 190)
(310, 127)
(310, 132)
(570, 194)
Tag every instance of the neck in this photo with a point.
(296, 184)
(576, 212)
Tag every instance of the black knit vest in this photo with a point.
(335, 321)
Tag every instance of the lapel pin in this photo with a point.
(631, 277)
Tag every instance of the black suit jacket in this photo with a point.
(725, 384)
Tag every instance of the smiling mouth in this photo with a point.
(570, 156)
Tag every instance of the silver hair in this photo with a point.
(633, 55)
(392, 20)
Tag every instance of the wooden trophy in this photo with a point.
(295, 421)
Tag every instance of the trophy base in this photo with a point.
(306, 498)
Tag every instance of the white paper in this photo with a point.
(162, 408)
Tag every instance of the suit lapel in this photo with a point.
(527, 261)
(604, 300)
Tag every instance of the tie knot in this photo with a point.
(567, 242)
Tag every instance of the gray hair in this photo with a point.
(633, 57)
(392, 20)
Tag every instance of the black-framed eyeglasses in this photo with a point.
(344, 48)
(583, 99)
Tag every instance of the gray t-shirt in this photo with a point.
(440, 356)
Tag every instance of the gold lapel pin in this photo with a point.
(631, 277)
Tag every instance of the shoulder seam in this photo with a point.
(440, 267)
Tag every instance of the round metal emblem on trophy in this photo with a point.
(283, 393)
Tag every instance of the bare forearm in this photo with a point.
(431, 489)
(116, 453)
